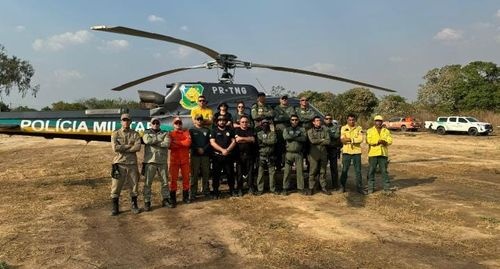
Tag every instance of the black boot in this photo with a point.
(115, 211)
(185, 197)
(134, 208)
(147, 206)
(173, 198)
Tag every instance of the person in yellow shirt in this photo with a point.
(378, 139)
(204, 111)
(351, 138)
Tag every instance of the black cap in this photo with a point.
(284, 97)
(261, 94)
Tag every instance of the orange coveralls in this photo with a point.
(180, 143)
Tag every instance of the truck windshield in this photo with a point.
(470, 119)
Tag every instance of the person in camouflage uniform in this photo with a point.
(333, 149)
(295, 137)
(155, 161)
(319, 138)
(125, 142)
(261, 110)
(282, 114)
(266, 140)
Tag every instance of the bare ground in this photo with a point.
(445, 213)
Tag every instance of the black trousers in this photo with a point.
(333, 155)
(226, 164)
(244, 167)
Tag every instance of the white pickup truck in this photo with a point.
(468, 125)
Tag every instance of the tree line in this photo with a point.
(452, 89)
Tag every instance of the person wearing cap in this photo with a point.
(156, 143)
(351, 138)
(295, 137)
(203, 110)
(282, 114)
(378, 139)
(245, 140)
(261, 110)
(319, 138)
(125, 142)
(200, 157)
(180, 143)
(266, 140)
(333, 148)
(223, 142)
(305, 113)
(223, 110)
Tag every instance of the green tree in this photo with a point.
(22, 109)
(94, 103)
(394, 105)
(279, 90)
(4, 107)
(360, 101)
(479, 87)
(438, 91)
(15, 73)
(62, 106)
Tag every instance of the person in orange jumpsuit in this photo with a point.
(180, 143)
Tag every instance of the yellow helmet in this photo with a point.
(378, 117)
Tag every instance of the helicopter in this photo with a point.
(179, 99)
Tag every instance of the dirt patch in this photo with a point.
(445, 213)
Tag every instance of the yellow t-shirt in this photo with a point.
(207, 114)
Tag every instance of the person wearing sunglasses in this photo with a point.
(125, 142)
(200, 157)
(295, 137)
(319, 138)
(204, 110)
(282, 114)
(180, 143)
(266, 139)
(240, 112)
(156, 143)
(333, 150)
(245, 140)
(305, 113)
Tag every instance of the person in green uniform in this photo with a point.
(200, 157)
(266, 140)
(319, 138)
(282, 113)
(261, 110)
(378, 139)
(333, 149)
(295, 136)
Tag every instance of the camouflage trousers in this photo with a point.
(150, 171)
(129, 177)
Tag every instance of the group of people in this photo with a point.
(266, 140)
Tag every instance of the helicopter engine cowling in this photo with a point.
(151, 97)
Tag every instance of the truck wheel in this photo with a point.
(472, 131)
(403, 128)
(440, 130)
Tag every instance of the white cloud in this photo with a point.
(59, 42)
(184, 28)
(114, 45)
(448, 34)
(63, 75)
(154, 18)
(20, 28)
(181, 52)
(322, 68)
(396, 59)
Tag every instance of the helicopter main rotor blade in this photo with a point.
(311, 73)
(157, 75)
(129, 31)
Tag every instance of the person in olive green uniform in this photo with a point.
(295, 137)
(200, 157)
(351, 138)
(282, 114)
(125, 142)
(319, 138)
(333, 149)
(305, 113)
(261, 111)
(155, 161)
(266, 139)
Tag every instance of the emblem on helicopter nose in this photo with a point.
(190, 94)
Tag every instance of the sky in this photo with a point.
(388, 43)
